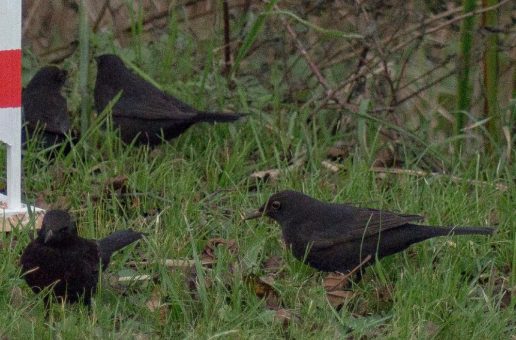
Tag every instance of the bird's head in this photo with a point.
(49, 76)
(109, 62)
(282, 206)
(58, 228)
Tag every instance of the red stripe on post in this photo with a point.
(10, 78)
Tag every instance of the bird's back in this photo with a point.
(72, 270)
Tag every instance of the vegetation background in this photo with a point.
(402, 105)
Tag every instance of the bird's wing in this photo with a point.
(51, 113)
(364, 223)
(152, 108)
(142, 100)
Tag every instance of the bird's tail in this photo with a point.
(116, 241)
(219, 116)
(444, 231)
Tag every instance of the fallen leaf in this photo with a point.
(154, 304)
(335, 281)
(208, 254)
(266, 175)
(387, 158)
(340, 150)
(192, 281)
(336, 298)
(41, 200)
(493, 218)
(16, 299)
(273, 174)
(284, 316)
(263, 289)
(273, 264)
(384, 292)
(118, 183)
(431, 329)
(331, 166)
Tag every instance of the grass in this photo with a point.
(197, 186)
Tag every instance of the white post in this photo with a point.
(10, 97)
(12, 210)
(10, 134)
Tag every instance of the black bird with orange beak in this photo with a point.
(66, 263)
(144, 112)
(340, 237)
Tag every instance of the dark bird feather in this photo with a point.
(338, 237)
(66, 263)
(142, 110)
(45, 108)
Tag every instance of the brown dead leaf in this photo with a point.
(431, 329)
(384, 292)
(209, 256)
(387, 158)
(340, 150)
(273, 264)
(61, 202)
(336, 298)
(192, 281)
(493, 218)
(118, 183)
(273, 174)
(263, 289)
(154, 304)
(284, 316)
(266, 175)
(135, 202)
(507, 297)
(335, 281)
(16, 299)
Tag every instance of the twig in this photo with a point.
(353, 271)
(135, 278)
(33, 10)
(421, 173)
(426, 87)
(315, 70)
(448, 23)
(448, 59)
(227, 45)
(331, 93)
(100, 16)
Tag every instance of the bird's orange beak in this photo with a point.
(251, 215)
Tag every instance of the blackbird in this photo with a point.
(142, 110)
(339, 237)
(44, 106)
(68, 264)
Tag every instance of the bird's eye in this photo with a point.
(275, 205)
